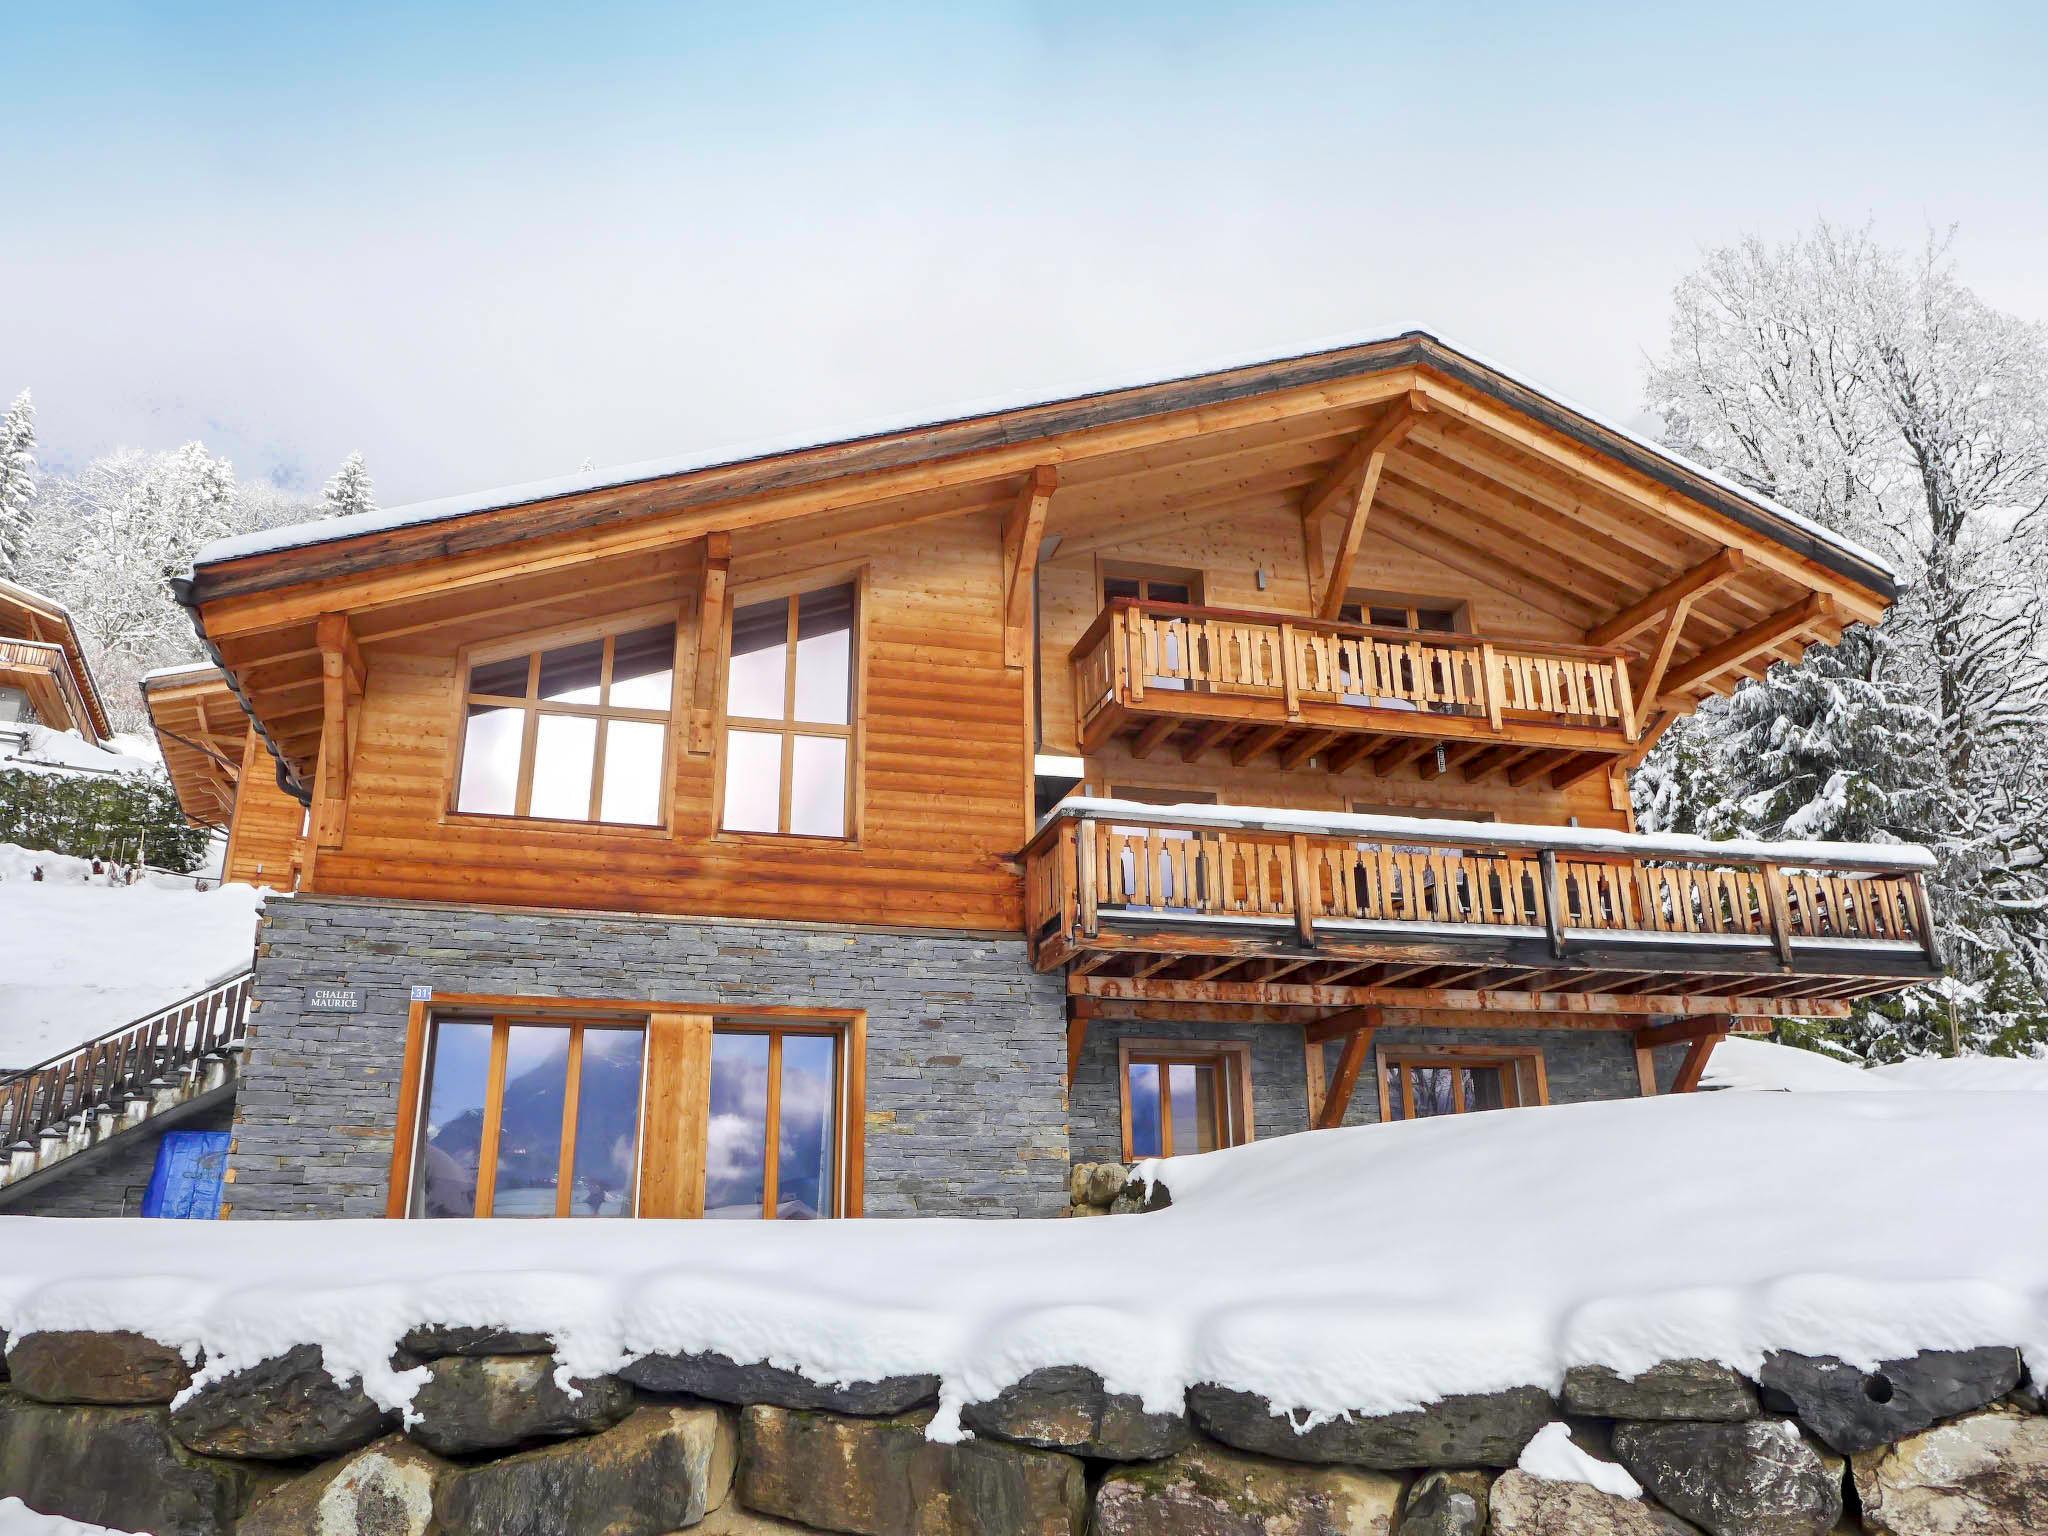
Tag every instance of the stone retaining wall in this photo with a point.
(966, 1044)
(1942, 1443)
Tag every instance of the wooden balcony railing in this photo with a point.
(1142, 663)
(129, 1063)
(1098, 878)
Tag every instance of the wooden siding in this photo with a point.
(941, 760)
(263, 839)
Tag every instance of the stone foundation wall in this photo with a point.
(114, 1184)
(966, 1044)
(1940, 1443)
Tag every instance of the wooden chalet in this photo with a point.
(44, 678)
(882, 825)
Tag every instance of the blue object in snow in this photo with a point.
(185, 1185)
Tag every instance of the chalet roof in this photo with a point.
(1021, 419)
(30, 615)
(200, 725)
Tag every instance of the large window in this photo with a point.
(529, 1118)
(774, 1136)
(789, 716)
(1459, 1080)
(575, 732)
(1184, 1096)
(526, 1112)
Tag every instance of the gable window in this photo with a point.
(575, 732)
(526, 1111)
(1459, 1080)
(1183, 1096)
(1387, 611)
(789, 716)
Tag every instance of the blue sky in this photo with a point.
(483, 243)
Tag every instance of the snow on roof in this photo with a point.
(385, 519)
(182, 669)
(1629, 1235)
(1573, 839)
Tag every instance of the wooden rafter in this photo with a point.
(1737, 649)
(1695, 583)
(1351, 484)
(1023, 537)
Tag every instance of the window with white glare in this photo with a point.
(789, 716)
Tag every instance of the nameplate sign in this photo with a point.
(334, 999)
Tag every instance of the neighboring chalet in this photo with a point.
(881, 825)
(43, 676)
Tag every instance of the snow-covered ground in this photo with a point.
(1372, 1269)
(38, 749)
(80, 958)
(1762, 1064)
(17, 1519)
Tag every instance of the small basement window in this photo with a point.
(1459, 1080)
(1182, 1096)
(577, 731)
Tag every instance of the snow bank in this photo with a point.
(81, 958)
(1764, 1065)
(1370, 1269)
(17, 1519)
(1557, 1458)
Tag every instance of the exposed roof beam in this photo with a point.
(1463, 558)
(1366, 461)
(1698, 581)
(1737, 649)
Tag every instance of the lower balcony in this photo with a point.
(1169, 677)
(1242, 906)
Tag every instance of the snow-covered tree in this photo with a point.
(17, 481)
(1874, 392)
(350, 490)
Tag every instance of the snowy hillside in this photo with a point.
(1618, 1234)
(81, 958)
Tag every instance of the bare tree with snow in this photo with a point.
(17, 481)
(1871, 390)
(350, 490)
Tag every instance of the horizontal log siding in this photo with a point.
(942, 775)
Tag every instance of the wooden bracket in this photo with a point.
(1814, 608)
(710, 640)
(1703, 578)
(1023, 537)
(1356, 476)
(1357, 1045)
(342, 678)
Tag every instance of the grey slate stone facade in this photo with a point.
(966, 1044)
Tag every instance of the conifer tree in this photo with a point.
(350, 491)
(17, 482)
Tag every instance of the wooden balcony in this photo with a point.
(44, 672)
(1239, 906)
(1169, 677)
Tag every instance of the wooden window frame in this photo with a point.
(726, 1023)
(675, 1093)
(792, 589)
(1522, 1064)
(1234, 1056)
(1193, 577)
(1369, 598)
(533, 646)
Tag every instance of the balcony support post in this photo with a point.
(1290, 671)
(1492, 682)
(1084, 877)
(1335, 1102)
(710, 640)
(1553, 902)
(1773, 879)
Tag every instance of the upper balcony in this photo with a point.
(1171, 676)
(1239, 905)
